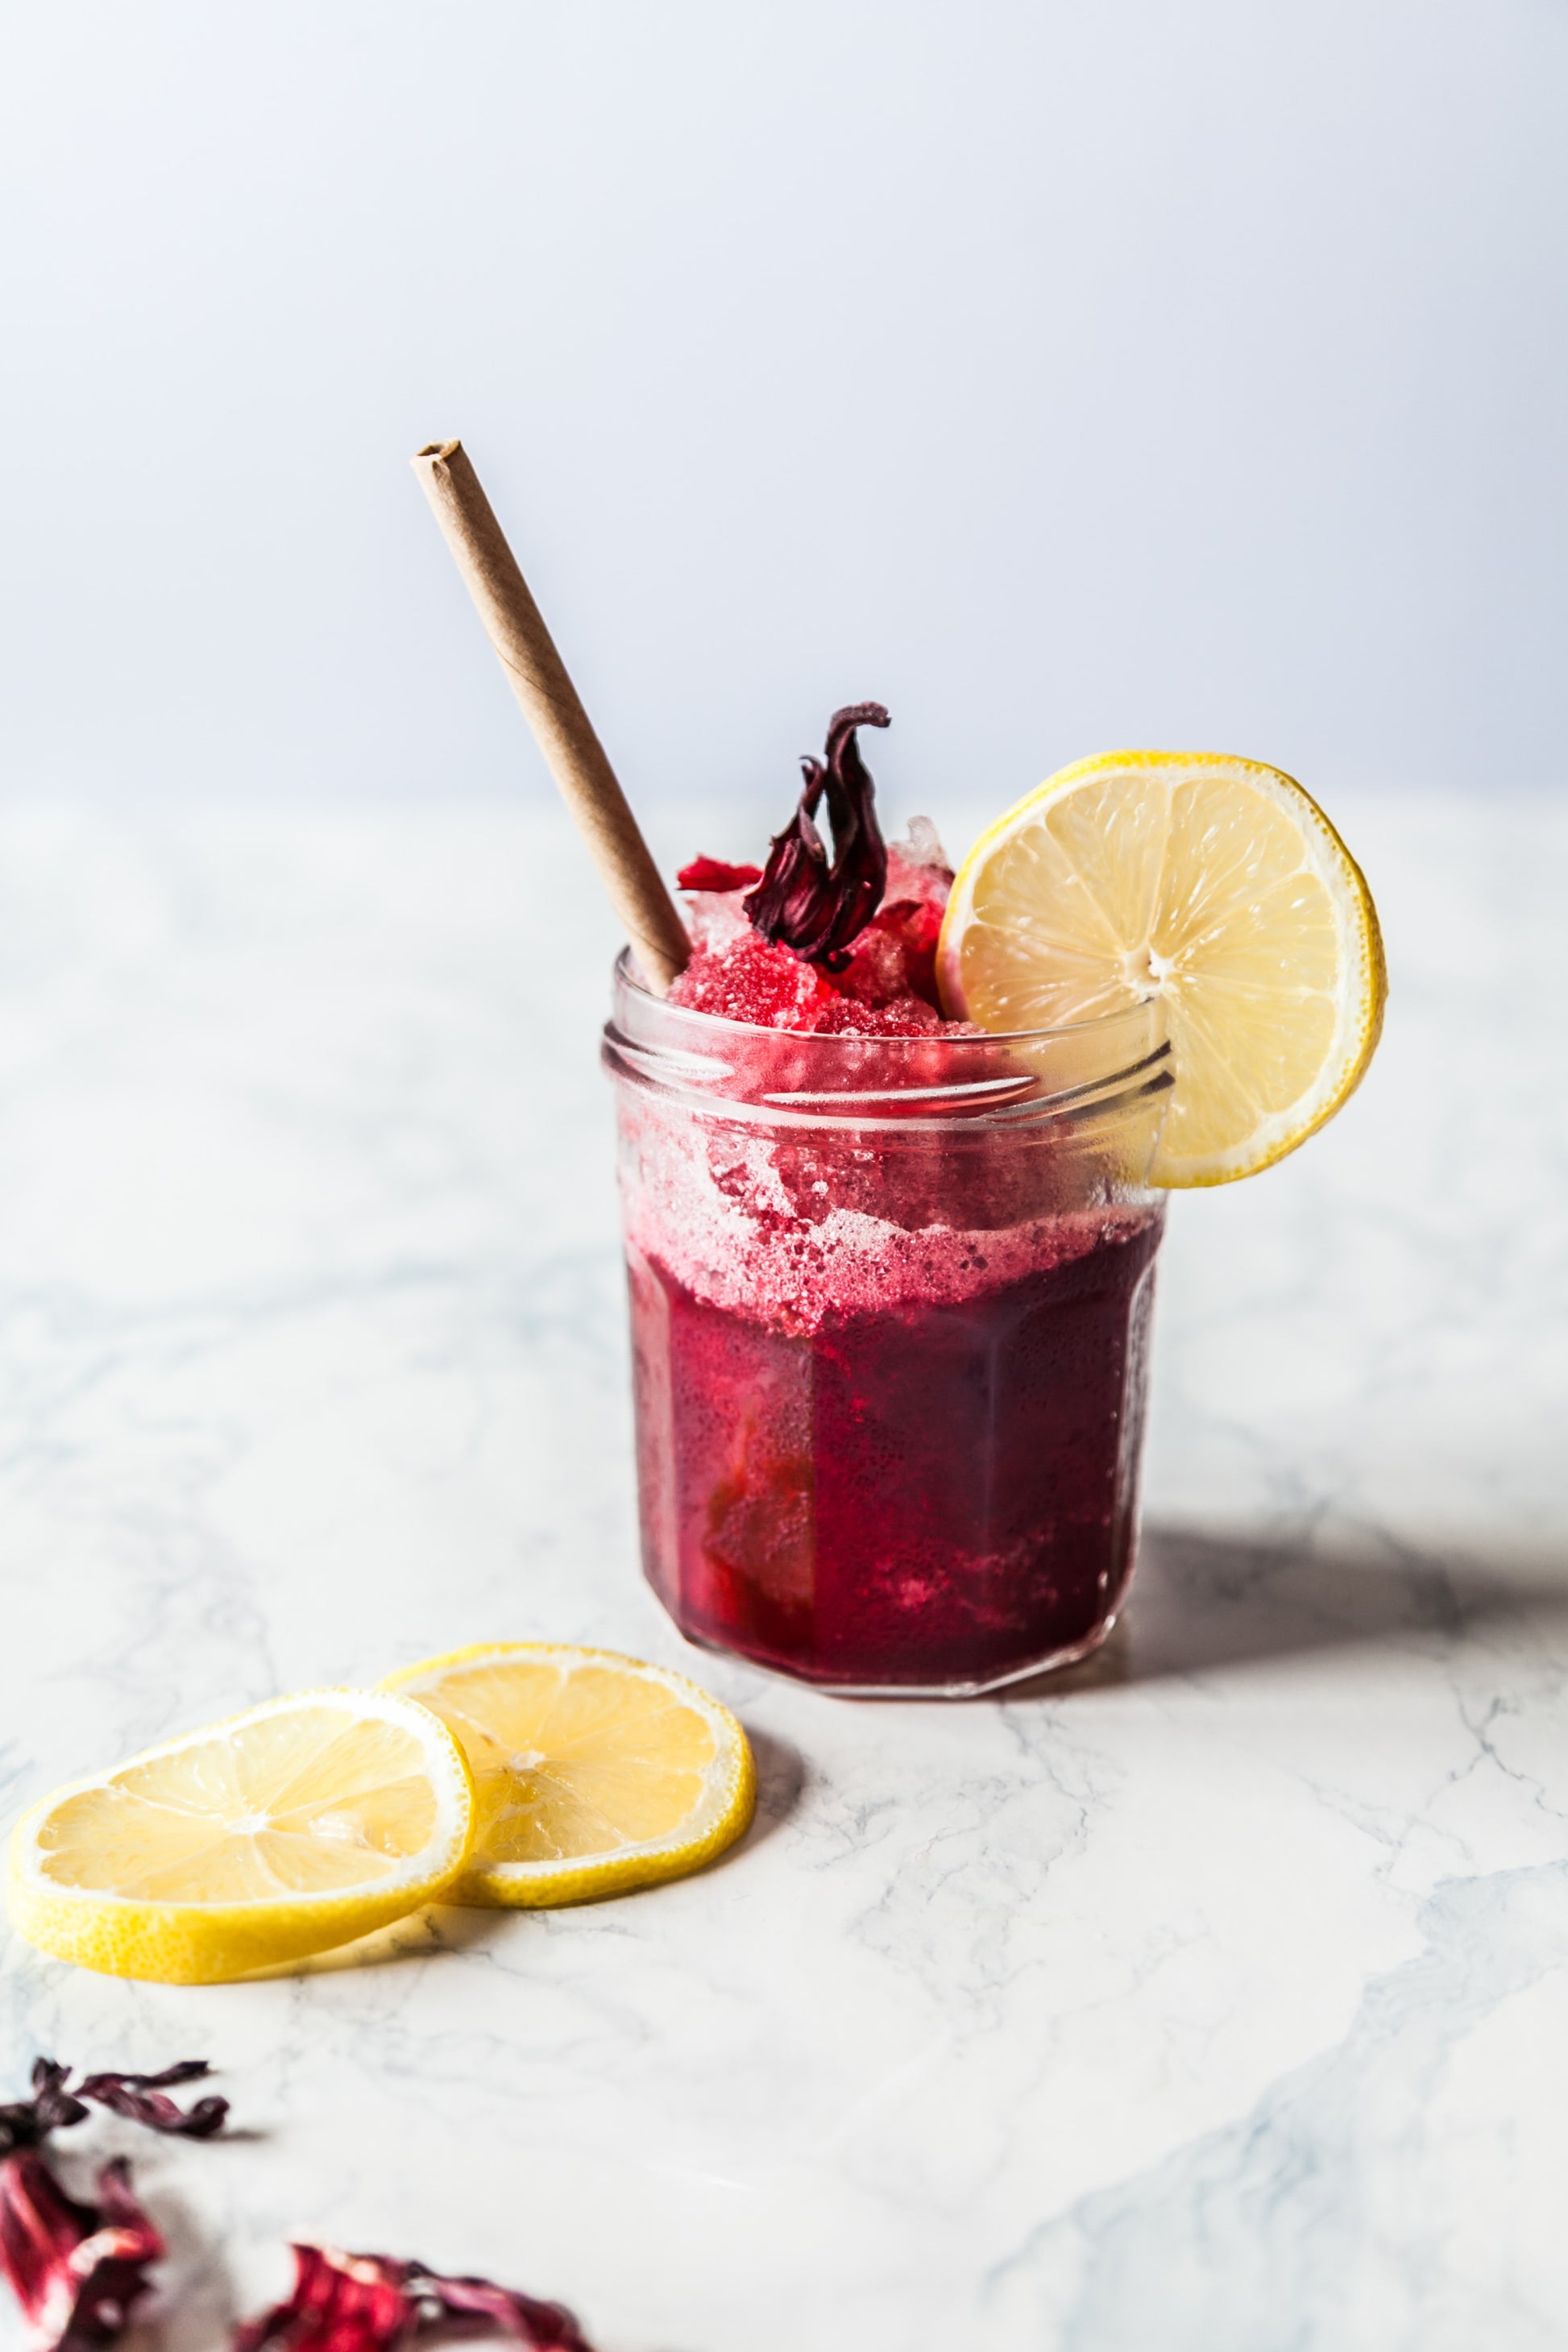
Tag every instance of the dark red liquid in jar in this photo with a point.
(935, 1493)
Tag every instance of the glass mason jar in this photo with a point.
(890, 1303)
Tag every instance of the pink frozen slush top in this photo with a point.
(757, 1235)
(886, 989)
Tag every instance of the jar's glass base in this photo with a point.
(1055, 1660)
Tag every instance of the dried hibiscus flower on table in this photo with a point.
(77, 2269)
(370, 2303)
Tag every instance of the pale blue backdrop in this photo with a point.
(1065, 375)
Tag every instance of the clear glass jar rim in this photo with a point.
(1099, 1070)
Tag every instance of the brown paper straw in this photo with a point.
(562, 727)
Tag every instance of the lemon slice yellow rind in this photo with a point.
(295, 1827)
(1213, 882)
(594, 1773)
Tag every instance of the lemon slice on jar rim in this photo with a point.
(299, 1825)
(594, 1773)
(1213, 884)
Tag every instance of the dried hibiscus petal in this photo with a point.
(25, 2122)
(141, 2096)
(373, 2303)
(77, 2269)
(712, 873)
(341, 2303)
(804, 902)
(473, 2304)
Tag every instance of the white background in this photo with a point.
(1064, 374)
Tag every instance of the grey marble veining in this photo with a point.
(1215, 1996)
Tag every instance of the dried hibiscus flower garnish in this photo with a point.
(373, 2303)
(77, 2269)
(804, 901)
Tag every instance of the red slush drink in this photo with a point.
(932, 1497)
(890, 1283)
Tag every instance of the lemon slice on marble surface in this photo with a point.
(299, 1825)
(593, 1772)
(1216, 884)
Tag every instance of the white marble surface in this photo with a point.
(1216, 2001)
